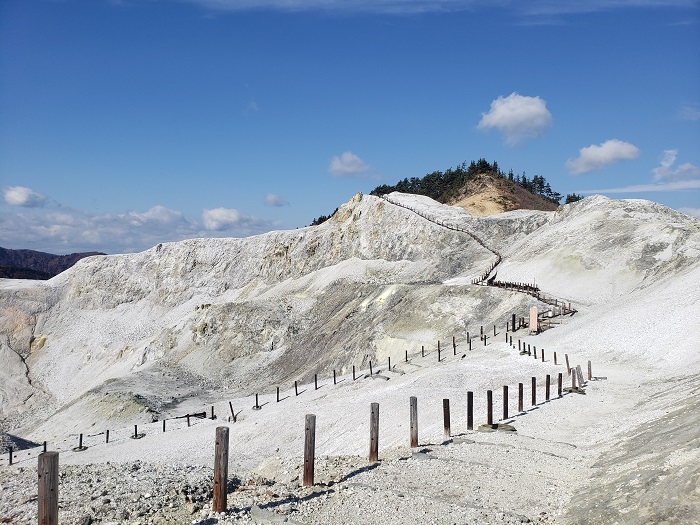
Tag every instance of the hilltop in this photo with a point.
(30, 264)
(140, 338)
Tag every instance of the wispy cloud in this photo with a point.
(666, 178)
(531, 8)
(594, 157)
(689, 112)
(60, 229)
(517, 117)
(24, 197)
(347, 164)
(665, 172)
(272, 199)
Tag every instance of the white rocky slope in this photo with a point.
(188, 324)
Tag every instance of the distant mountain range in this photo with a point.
(30, 264)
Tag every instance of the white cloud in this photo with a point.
(666, 171)
(347, 165)
(220, 219)
(25, 197)
(693, 212)
(275, 200)
(159, 214)
(650, 188)
(595, 157)
(517, 117)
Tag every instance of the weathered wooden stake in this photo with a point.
(489, 407)
(568, 368)
(353, 372)
(573, 381)
(309, 450)
(407, 356)
(494, 330)
(212, 413)
(534, 391)
(505, 402)
(136, 433)
(470, 345)
(542, 355)
(188, 420)
(278, 390)
(514, 327)
(220, 469)
(370, 368)
(44, 446)
(534, 350)
(546, 389)
(484, 341)
(438, 353)
(389, 364)
(334, 376)
(454, 346)
(481, 332)
(107, 436)
(579, 373)
(10, 450)
(296, 391)
(414, 421)
(233, 414)
(48, 488)
(374, 433)
(422, 351)
(446, 418)
(555, 358)
(590, 371)
(470, 411)
(520, 397)
(519, 349)
(559, 383)
(257, 405)
(164, 425)
(80, 439)
(316, 381)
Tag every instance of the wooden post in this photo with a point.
(438, 352)
(494, 330)
(407, 356)
(568, 368)
(446, 418)
(529, 352)
(546, 389)
(188, 419)
(482, 331)
(520, 397)
(48, 488)
(454, 346)
(555, 358)
(334, 376)
(316, 379)
(573, 381)
(257, 405)
(505, 402)
(10, 450)
(559, 384)
(370, 368)
(470, 345)
(519, 349)
(511, 341)
(296, 391)
(44, 446)
(80, 439)
(542, 355)
(107, 436)
(470, 411)
(278, 389)
(590, 371)
(374, 433)
(220, 469)
(513, 319)
(389, 363)
(580, 375)
(422, 351)
(484, 340)
(213, 417)
(233, 414)
(414, 421)
(489, 407)
(309, 450)
(164, 425)
(353, 372)
(534, 351)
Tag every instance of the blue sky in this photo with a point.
(124, 123)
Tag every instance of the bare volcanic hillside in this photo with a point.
(390, 297)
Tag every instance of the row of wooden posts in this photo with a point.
(515, 324)
(48, 471)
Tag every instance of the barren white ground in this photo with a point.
(625, 452)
